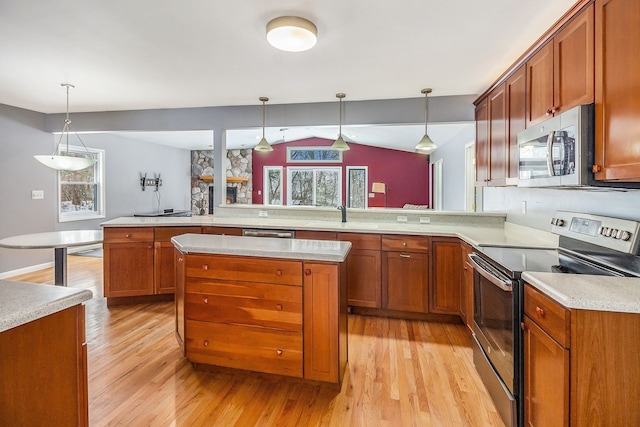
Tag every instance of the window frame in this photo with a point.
(99, 176)
(315, 169)
(366, 184)
(265, 182)
(321, 148)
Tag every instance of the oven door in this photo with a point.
(496, 318)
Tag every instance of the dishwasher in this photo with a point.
(258, 232)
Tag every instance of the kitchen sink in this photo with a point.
(346, 225)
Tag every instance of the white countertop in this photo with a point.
(264, 247)
(22, 303)
(585, 292)
(53, 239)
(474, 234)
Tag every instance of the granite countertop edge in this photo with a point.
(22, 302)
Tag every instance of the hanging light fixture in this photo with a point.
(263, 145)
(66, 162)
(426, 145)
(292, 33)
(340, 143)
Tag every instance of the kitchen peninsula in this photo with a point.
(264, 304)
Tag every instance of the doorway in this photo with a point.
(437, 185)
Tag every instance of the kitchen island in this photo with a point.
(263, 304)
(43, 354)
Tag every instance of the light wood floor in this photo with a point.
(400, 373)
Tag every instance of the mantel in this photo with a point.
(231, 179)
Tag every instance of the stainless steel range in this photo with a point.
(588, 244)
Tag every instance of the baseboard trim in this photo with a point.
(26, 270)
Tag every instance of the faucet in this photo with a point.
(344, 212)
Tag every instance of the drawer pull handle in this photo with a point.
(278, 272)
(205, 267)
(279, 307)
(405, 256)
(307, 272)
(180, 259)
(523, 326)
(150, 246)
(127, 235)
(206, 343)
(404, 244)
(206, 300)
(540, 311)
(279, 352)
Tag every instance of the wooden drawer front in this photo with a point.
(257, 304)
(553, 318)
(164, 234)
(128, 234)
(245, 347)
(228, 231)
(362, 241)
(245, 269)
(405, 243)
(316, 235)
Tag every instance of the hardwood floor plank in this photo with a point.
(400, 373)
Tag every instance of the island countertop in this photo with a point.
(264, 247)
(22, 302)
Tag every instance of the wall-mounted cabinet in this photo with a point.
(617, 156)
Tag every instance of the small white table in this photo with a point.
(58, 240)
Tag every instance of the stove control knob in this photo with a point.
(614, 232)
(625, 236)
(554, 221)
(604, 231)
(601, 230)
(560, 222)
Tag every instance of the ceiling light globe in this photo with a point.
(292, 33)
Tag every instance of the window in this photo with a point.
(81, 193)
(313, 155)
(309, 186)
(272, 185)
(357, 187)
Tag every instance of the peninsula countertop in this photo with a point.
(22, 302)
(264, 247)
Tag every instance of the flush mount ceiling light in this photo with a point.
(426, 145)
(62, 162)
(340, 143)
(292, 33)
(263, 145)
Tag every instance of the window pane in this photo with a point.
(301, 187)
(84, 175)
(78, 198)
(274, 186)
(357, 188)
(327, 188)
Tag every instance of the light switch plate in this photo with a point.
(402, 218)
(425, 220)
(263, 214)
(37, 194)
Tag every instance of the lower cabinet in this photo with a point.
(164, 265)
(364, 274)
(43, 371)
(405, 273)
(581, 366)
(128, 261)
(466, 287)
(446, 275)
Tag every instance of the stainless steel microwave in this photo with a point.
(555, 153)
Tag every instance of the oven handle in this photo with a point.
(550, 153)
(505, 285)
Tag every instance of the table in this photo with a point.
(59, 241)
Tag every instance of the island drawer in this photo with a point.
(164, 234)
(244, 303)
(128, 234)
(552, 317)
(405, 243)
(362, 241)
(260, 270)
(245, 347)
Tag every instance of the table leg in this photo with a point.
(61, 267)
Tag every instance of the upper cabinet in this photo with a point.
(561, 74)
(617, 147)
(515, 92)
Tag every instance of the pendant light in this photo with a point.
(292, 33)
(67, 163)
(340, 143)
(263, 145)
(426, 145)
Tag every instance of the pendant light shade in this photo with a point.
(263, 145)
(292, 33)
(66, 162)
(340, 143)
(426, 145)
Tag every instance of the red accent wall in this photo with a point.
(406, 174)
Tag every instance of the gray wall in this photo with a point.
(22, 135)
(542, 203)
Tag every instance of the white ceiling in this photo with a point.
(146, 54)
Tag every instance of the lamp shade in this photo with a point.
(292, 33)
(340, 144)
(426, 145)
(66, 163)
(378, 187)
(263, 145)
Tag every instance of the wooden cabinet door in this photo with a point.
(128, 269)
(515, 91)
(498, 147)
(405, 281)
(466, 288)
(364, 281)
(573, 50)
(321, 316)
(164, 281)
(617, 156)
(446, 276)
(540, 85)
(482, 143)
(181, 277)
(546, 376)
